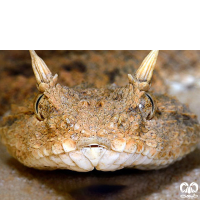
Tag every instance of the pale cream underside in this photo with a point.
(88, 158)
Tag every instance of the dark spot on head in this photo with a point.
(76, 66)
(133, 111)
(130, 109)
(158, 112)
(186, 117)
(84, 93)
(117, 96)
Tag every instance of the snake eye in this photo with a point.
(152, 102)
(147, 107)
(37, 106)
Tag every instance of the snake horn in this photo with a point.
(145, 71)
(42, 73)
(40, 69)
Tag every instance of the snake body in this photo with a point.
(109, 128)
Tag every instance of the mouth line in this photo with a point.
(94, 146)
(96, 142)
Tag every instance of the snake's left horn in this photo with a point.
(42, 73)
(40, 69)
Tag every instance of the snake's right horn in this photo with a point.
(145, 71)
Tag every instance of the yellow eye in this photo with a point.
(37, 106)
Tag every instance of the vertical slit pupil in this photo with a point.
(37, 103)
(151, 101)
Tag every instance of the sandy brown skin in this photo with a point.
(132, 127)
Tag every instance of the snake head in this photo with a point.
(107, 128)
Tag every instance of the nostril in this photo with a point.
(100, 104)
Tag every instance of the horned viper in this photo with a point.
(109, 128)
